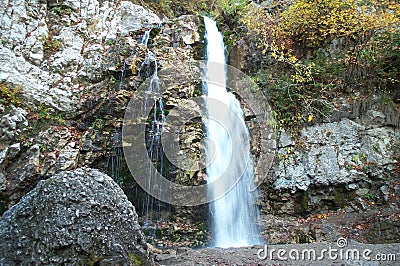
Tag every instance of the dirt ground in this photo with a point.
(352, 253)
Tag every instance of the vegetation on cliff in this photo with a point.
(317, 51)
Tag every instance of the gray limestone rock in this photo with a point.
(12, 123)
(335, 153)
(48, 53)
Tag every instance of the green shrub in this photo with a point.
(10, 93)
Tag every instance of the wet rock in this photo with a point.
(54, 52)
(237, 55)
(68, 157)
(3, 182)
(13, 150)
(374, 118)
(327, 232)
(186, 31)
(73, 218)
(285, 140)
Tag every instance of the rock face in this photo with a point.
(331, 163)
(52, 53)
(49, 46)
(341, 177)
(334, 154)
(73, 218)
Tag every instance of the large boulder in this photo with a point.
(73, 218)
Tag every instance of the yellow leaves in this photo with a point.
(310, 118)
(323, 216)
(315, 21)
(293, 59)
(304, 73)
(297, 78)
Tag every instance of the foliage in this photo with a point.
(10, 93)
(175, 8)
(213, 8)
(50, 45)
(60, 9)
(369, 196)
(374, 63)
(110, 41)
(233, 7)
(136, 259)
(48, 113)
(98, 123)
(316, 22)
(294, 104)
(316, 50)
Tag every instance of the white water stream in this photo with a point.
(234, 215)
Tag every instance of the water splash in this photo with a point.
(234, 216)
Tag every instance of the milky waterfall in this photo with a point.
(234, 214)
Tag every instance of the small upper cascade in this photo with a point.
(145, 38)
(149, 69)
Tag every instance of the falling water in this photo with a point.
(115, 159)
(234, 215)
(145, 39)
(148, 69)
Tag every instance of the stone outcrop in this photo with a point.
(52, 54)
(334, 179)
(330, 164)
(48, 48)
(73, 218)
(338, 153)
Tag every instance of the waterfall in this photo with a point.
(149, 69)
(145, 39)
(234, 215)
